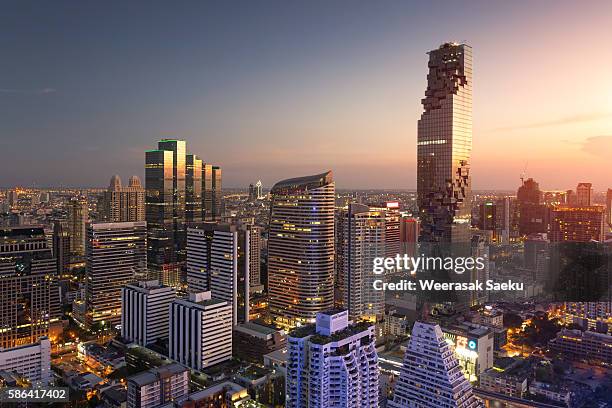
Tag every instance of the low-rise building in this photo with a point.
(584, 345)
(32, 361)
(157, 386)
(253, 340)
(508, 377)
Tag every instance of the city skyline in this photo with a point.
(251, 97)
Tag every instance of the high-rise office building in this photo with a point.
(29, 293)
(165, 185)
(200, 331)
(116, 255)
(301, 248)
(332, 364)
(584, 193)
(431, 375)
(123, 204)
(145, 310)
(158, 386)
(78, 217)
(193, 189)
(577, 224)
(444, 145)
(360, 233)
(211, 192)
(218, 260)
(61, 248)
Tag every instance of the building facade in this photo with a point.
(420, 385)
(361, 233)
(29, 292)
(332, 364)
(145, 308)
(123, 204)
(200, 331)
(32, 361)
(218, 259)
(157, 386)
(301, 248)
(116, 255)
(444, 145)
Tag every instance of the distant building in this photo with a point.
(212, 192)
(32, 361)
(259, 190)
(581, 345)
(61, 248)
(409, 235)
(116, 255)
(145, 311)
(609, 207)
(533, 216)
(200, 331)
(193, 189)
(332, 364)
(253, 340)
(360, 235)
(301, 249)
(577, 224)
(584, 193)
(123, 204)
(421, 386)
(29, 292)
(155, 387)
(78, 216)
(508, 377)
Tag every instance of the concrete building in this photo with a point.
(473, 346)
(301, 249)
(155, 387)
(577, 224)
(219, 260)
(29, 292)
(123, 204)
(32, 361)
(116, 255)
(332, 364)
(253, 340)
(145, 308)
(78, 216)
(583, 345)
(360, 238)
(200, 331)
(422, 385)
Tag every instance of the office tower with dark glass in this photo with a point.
(61, 248)
(211, 192)
(115, 256)
(444, 146)
(29, 293)
(193, 189)
(165, 180)
(301, 248)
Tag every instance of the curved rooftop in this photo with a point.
(304, 183)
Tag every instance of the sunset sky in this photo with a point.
(271, 89)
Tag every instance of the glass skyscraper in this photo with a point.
(444, 146)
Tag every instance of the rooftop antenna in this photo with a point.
(524, 173)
